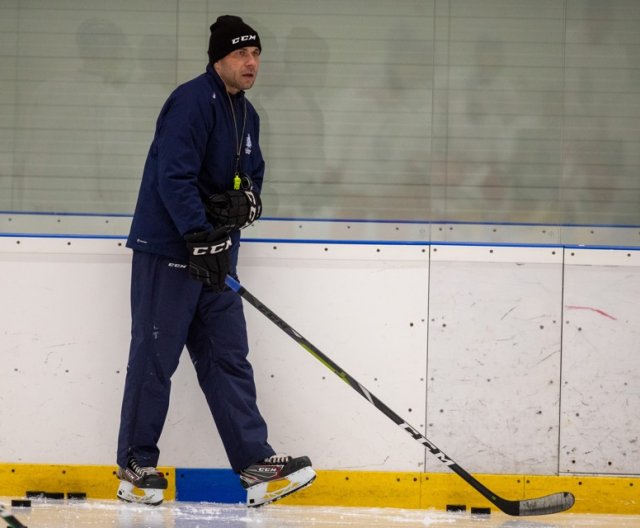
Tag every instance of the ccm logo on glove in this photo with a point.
(209, 257)
(210, 249)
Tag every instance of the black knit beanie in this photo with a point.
(230, 33)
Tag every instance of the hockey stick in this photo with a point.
(10, 519)
(554, 503)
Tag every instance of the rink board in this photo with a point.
(462, 341)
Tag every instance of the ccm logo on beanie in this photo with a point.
(244, 38)
(229, 33)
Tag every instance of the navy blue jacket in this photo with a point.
(193, 156)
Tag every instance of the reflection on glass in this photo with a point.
(405, 111)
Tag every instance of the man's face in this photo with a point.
(239, 69)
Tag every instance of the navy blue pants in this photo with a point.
(170, 310)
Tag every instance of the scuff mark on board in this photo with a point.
(597, 310)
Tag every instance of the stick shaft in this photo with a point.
(559, 502)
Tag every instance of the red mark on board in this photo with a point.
(597, 310)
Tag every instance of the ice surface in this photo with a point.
(114, 514)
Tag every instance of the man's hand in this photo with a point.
(233, 209)
(209, 257)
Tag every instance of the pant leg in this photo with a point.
(163, 302)
(218, 347)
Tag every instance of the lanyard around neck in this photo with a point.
(237, 180)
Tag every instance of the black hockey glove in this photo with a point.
(209, 257)
(233, 209)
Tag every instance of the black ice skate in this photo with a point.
(142, 485)
(276, 477)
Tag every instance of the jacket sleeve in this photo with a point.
(182, 134)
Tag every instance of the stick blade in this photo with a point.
(554, 503)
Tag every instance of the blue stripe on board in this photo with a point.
(209, 485)
(63, 235)
(53, 213)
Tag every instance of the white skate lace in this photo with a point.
(277, 459)
(141, 471)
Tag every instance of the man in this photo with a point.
(201, 184)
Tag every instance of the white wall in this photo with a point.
(516, 359)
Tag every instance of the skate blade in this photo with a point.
(127, 492)
(268, 492)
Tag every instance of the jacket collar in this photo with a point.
(219, 83)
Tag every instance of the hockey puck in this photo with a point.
(76, 495)
(456, 508)
(54, 495)
(35, 494)
(21, 503)
(480, 511)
